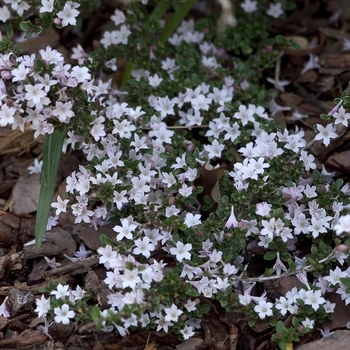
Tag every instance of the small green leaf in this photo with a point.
(95, 313)
(105, 240)
(26, 26)
(251, 323)
(345, 281)
(205, 308)
(283, 345)
(279, 327)
(314, 250)
(270, 255)
(295, 322)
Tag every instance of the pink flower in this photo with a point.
(312, 63)
(3, 309)
(232, 221)
(275, 108)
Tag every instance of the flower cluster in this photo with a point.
(188, 164)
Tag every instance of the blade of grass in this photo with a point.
(175, 20)
(53, 144)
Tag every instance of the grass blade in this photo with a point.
(53, 144)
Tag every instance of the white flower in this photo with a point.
(263, 309)
(314, 298)
(326, 133)
(144, 246)
(20, 73)
(343, 225)
(190, 305)
(130, 278)
(36, 168)
(172, 313)
(308, 160)
(4, 14)
(168, 179)
(63, 314)
(187, 332)
(61, 292)
(154, 80)
(307, 323)
(192, 220)
(244, 115)
(335, 276)
(181, 251)
(163, 324)
(118, 17)
(47, 6)
(7, 115)
(125, 230)
(68, 14)
(249, 6)
(284, 305)
(341, 116)
(275, 10)
(78, 293)
(60, 205)
(214, 150)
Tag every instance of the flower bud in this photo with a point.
(6, 74)
(287, 197)
(190, 147)
(323, 188)
(183, 317)
(342, 247)
(221, 52)
(57, 21)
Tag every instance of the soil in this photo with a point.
(23, 272)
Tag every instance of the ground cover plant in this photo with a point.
(209, 196)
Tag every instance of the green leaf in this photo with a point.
(53, 144)
(105, 240)
(251, 323)
(283, 345)
(338, 184)
(279, 327)
(26, 26)
(345, 281)
(17, 50)
(295, 322)
(95, 313)
(9, 31)
(314, 250)
(270, 256)
(273, 322)
(205, 308)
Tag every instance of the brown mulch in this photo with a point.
(23, 272)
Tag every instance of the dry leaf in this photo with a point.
(209, 180)
(151, 346)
